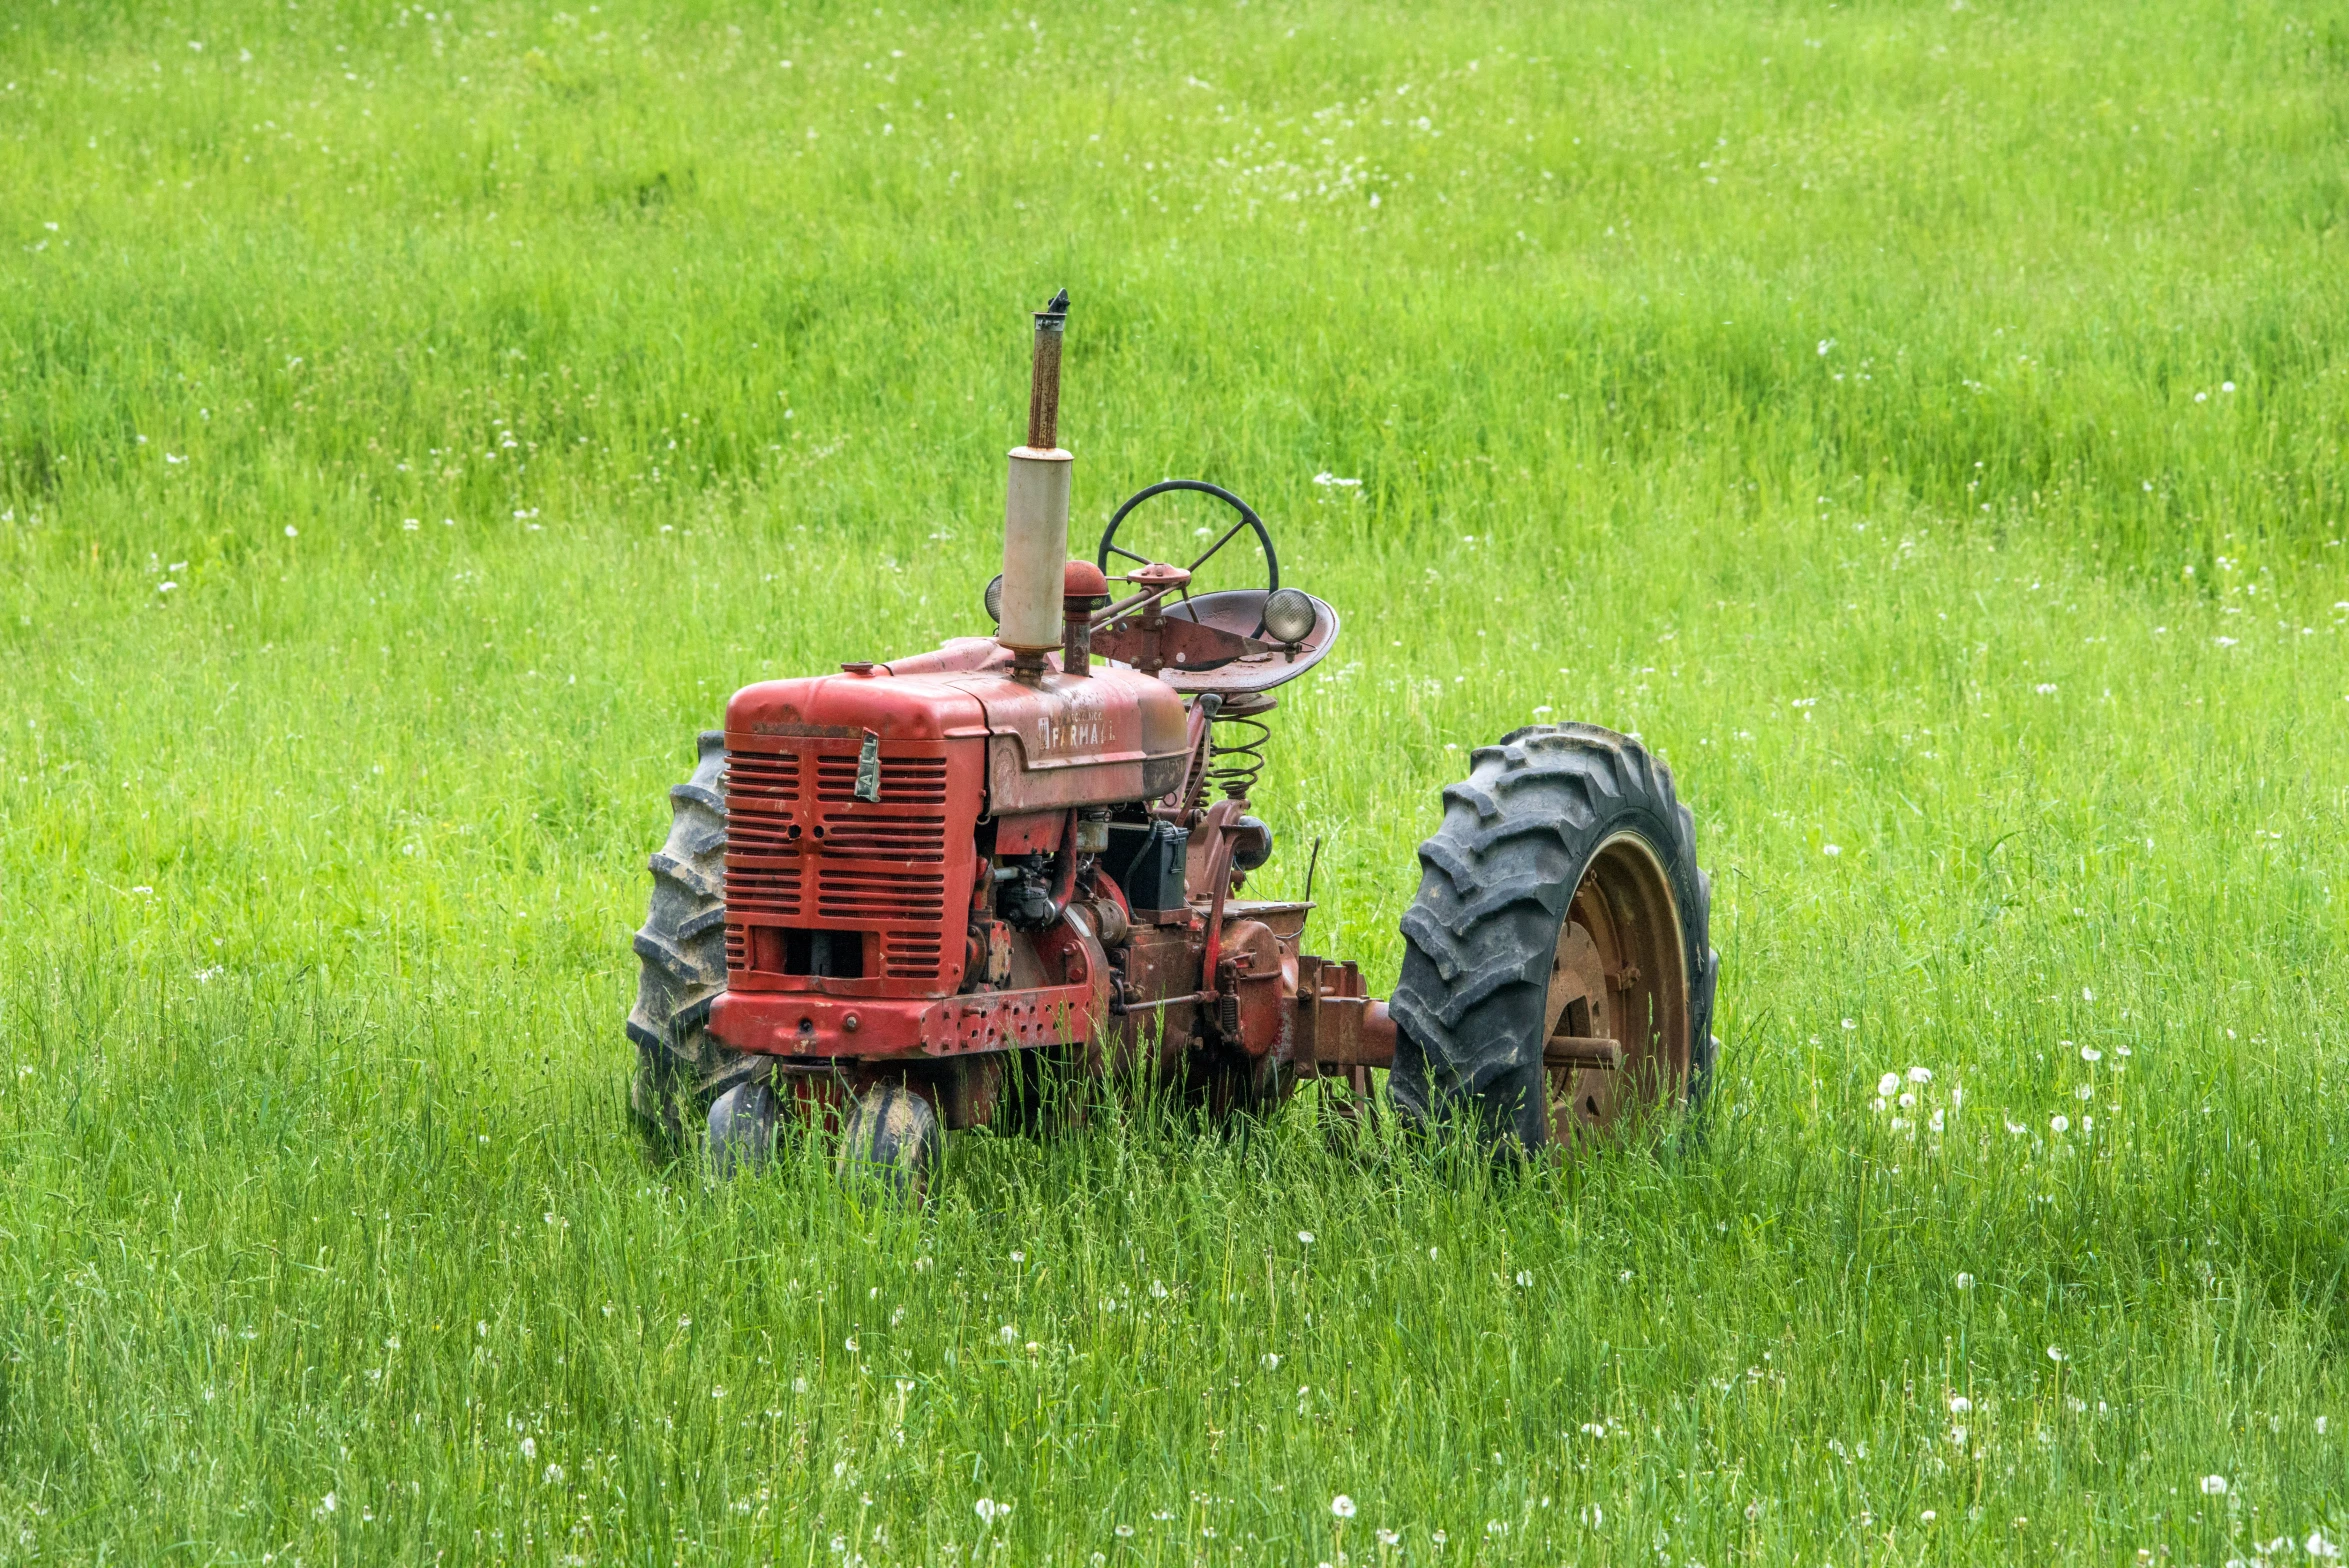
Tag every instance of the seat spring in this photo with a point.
(1233, 766)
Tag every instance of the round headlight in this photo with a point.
(995, 600)
(1288, 615)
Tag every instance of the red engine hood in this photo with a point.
(1112, 736)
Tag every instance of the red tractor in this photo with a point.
(889, 892)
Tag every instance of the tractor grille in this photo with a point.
(762, 863)
(804, 854)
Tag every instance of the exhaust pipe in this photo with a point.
(1035, 509)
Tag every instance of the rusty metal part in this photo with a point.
(1109, 920)
(1235, 749)
(1338, 1028)
(1617, 1011)
(1156, 580)
(1035, 512)
(1213, 642)
(1083, 591)
(1044, 379)
(1581, 1052)
(1187, 998)
(1215, 879)
(1250, 975)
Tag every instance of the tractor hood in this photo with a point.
(1100, 739)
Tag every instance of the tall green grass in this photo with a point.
(1922, 425)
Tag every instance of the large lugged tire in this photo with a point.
(1560, 926)
(682, 949)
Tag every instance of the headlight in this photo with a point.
(995, 600)
(1288, 615)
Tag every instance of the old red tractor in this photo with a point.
(891, 891)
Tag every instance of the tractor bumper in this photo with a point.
(805, 1024)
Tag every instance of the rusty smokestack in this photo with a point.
(1035, 512)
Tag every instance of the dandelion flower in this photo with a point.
(1888, 1084)
(2059, 1123)
(1306, 1237)
(1959, 1404)
(1920, 1075)
(1965, 1282)
(1830, 850)
(2213, 1485)
(2090, 1054)
(2055, 1353)
(1342, 1506)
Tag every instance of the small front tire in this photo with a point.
(742, 1130)
(892, 1139)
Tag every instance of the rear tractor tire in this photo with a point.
(680, 1070)
(1557, 981)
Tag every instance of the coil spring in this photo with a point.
(1233, 767)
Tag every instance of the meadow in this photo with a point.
(1921, 423)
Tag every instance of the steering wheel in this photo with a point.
(1248, 519)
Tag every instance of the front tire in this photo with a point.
(1557, 979)
(893, 1140)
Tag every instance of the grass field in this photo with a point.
(1921, 423)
